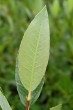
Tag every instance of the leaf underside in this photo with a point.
(34, 52)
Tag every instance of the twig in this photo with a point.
(27, 105)
(28, 100)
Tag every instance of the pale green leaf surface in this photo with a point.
(23, 92)
(34, 51)
(4, 103)
(58, 107)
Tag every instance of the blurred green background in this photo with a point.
(15, 16)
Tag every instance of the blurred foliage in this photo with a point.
(15, 16)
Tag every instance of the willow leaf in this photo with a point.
(34, 52)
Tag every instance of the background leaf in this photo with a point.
(58, 107)
(55, 8)
(4, 103)
(34, 51)
(70, 5)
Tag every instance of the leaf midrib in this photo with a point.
(33, 69)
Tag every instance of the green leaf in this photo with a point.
(23, 92)
(58, 107)
(34, 51)
(4, 103)
(55, 8)
(70, 5)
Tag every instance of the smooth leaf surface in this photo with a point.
(34, 51)
(23, 92)
(4, 103)
(58, 107)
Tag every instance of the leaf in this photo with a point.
(34, 52)
(23, 92)
(70, 5)
(4, 103)
(58, 107)
(55, 8)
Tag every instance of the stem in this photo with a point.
(28, 100)
(27, 105)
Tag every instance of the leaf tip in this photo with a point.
(59, 107)
(43, 12)
(44, 8)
